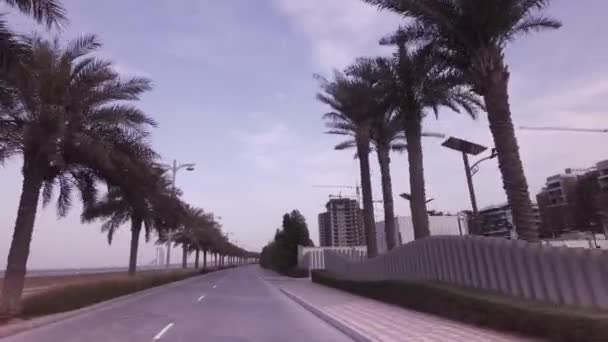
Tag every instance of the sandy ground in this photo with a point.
(37, 284)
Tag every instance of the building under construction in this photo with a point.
(342, 224)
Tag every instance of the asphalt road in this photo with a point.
(231, 305)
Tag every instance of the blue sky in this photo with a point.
(234, 93)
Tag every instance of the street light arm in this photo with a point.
(492, 156)
(189, 166)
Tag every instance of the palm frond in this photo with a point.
(345, 145)
(81, 46)
(49, 12)
(47, 192)
(64, 200)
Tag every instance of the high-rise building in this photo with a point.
(324, 230)
(342, 224)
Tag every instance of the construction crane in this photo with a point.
(565, 129)
(356, 187)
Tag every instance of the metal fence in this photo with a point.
(559, 275)
(312, 258)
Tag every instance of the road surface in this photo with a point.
(231, 305)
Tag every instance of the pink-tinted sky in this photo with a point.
(234, 93)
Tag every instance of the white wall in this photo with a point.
(438, 225)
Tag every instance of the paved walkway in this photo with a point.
(372, 320)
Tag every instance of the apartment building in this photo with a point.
(497, 221)
(342, 224)
(574, 201)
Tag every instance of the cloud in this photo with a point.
(128, 71)
(338, 30)
(264, 147)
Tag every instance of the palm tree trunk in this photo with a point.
(384, 160)
(184, 255)
(14, 276)
(197, 254)
(204, 259)
(135, 231)
(366, 186)
(496, 98)
(420, 219)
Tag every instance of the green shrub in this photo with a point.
(71, 297)
(556, 323)
(297, 272)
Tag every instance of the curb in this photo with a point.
(350, 332)
(16, 328)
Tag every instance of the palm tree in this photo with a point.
(474, 34)
(194, 232)
(48, 12)
(386, 136)
(417, 81)
(143, 207)
(65, 123)
(353, 102)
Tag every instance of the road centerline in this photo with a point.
(162, 332)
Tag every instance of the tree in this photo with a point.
(142, 208)
(64, 122)
(12, 50)
(386, 136)
(473, 35)
(281, 254)
(418, 81)
(352, 101)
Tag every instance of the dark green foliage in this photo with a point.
(481, 308)
(281, 254)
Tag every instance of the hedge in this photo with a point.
(556, 323)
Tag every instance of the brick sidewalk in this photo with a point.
(370, 320)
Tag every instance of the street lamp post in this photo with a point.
(174, 168)
(466, 148)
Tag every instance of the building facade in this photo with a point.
(342, 224)
(324, 230)
(575, 201)
(497, 221)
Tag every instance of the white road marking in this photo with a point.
(201, 298)
(162, 332)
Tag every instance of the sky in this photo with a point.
(234, 93)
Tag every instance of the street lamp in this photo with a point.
(174, 168)
(466, 148)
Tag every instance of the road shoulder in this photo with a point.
(18, 326)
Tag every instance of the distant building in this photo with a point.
(404, 229)
(573, 201)
(381, 236)
(324, 230)
(497, 221)
(342, 224)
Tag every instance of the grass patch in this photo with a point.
(556, 323)
(75, 296)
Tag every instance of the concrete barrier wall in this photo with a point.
(558, 275)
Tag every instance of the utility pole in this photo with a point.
(174, 168)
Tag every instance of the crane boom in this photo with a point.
(566, 129)
(356, 187)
